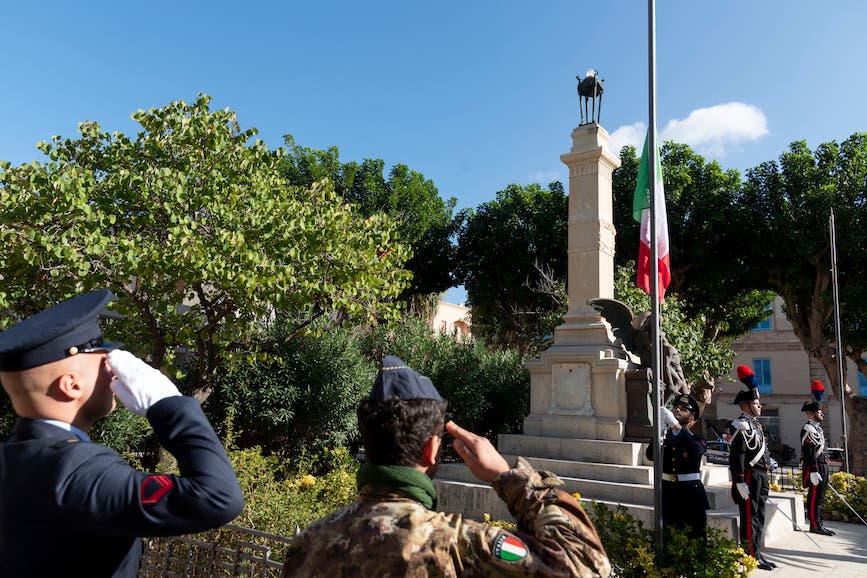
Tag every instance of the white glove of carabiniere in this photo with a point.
(668, 418)
(815, 478)
(138, 385)
(743, 490)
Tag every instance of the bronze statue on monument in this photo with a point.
(632, 333)
(589, 90)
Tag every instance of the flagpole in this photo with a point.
(654, 275)
(840, 382)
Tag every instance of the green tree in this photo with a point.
(702, 359)
(509, 250)
(301, 398)
(196, 230)
(423, 220)
(708, 268)
(783, 212)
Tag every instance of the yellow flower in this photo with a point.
(307, 480)
(577, 496)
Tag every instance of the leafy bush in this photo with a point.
(488, 392)
(126, 433)
(300, 397)
(281, 496)
(854, 491)
(631, 550)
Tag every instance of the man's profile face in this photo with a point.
(756, 407)
(819, 415)
(682, 414)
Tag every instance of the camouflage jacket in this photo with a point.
(386, 534)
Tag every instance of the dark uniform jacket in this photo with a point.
(748, 449)
(681, 452)
(684, 501)
(813, 447)
(73, 508)
(387, 533)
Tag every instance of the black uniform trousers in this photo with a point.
(816, 495)
(685, 504)
(752, 511)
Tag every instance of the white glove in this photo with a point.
(668, 418)
(138, 385)
(743, 490)
(815, 478)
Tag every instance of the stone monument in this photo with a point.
(589, 406)
(577, 386)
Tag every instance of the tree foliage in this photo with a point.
(784, 211)
(298, 400)
(422, 219)
(702, 359)
(196, 230)
(509, 250)
(488, 391)
(708, 264)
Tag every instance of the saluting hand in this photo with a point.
(483, 459)
(138, 385)
(669, 419)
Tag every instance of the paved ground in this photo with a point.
(840, 556)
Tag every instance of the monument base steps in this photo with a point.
(611, 473)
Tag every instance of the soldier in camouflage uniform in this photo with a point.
(394, 528)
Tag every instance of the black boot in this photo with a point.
(821, 530)
(826, 530)
(763, 560)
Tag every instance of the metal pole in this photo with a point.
(654, 274)
(837, 335)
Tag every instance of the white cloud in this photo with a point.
(631, 134)
(713, 131)
(717, 129)
(545, 177)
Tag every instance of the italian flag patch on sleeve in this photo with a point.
(509, 548)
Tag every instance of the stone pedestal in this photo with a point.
(639, 405)
(577, 386)
(591, 236)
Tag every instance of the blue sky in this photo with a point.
(475, 94)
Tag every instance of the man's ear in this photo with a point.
(430, 451)
(68, 387)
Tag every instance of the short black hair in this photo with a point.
(394, 431)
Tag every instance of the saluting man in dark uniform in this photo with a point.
(69, 507)
(814, 458)
(684, 501)
(749, 464)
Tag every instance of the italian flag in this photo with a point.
(509, 548)
(641, 213)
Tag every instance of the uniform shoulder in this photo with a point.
(740, 423)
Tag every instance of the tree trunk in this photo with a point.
(808, 323)
(856, 409)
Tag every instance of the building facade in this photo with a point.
(784, 372)
(451, 319)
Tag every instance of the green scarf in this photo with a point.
(403, 479)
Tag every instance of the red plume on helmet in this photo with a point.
(818, 390)
(747, 376)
